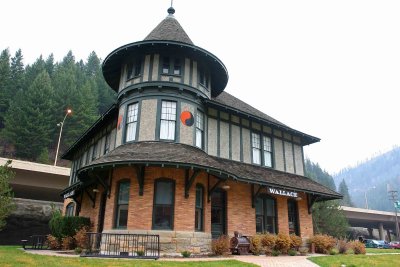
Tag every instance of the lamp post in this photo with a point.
(61, 124)
(365, 196)
(393, 195)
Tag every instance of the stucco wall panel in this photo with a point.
(235, 142)
(224, 139)
(298, 159)
(246, 145)
(278, 152)
(147, 125)
(289, 157)
(212, 136)
(186, 132)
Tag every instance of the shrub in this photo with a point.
(333, 251)
(275, 252)
(282, 243)
(268, 251)
(67, 243)
(303, 251)
(358, 247)
(268, 241)
(342, 246)
(53, 242)
(186, 254)
(295, 242)
(140, 253)
(78, 250)
(255, 244)
(220, 245)
(62, 226)
(292, 252)
(323, 243)
(81, 239)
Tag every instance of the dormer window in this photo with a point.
(203, 79)
(134, 69)
(171, 66)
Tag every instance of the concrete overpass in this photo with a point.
(372, 219)
(36, 189)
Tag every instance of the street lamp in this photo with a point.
(365, 196)
(393, 195)
(61, 124)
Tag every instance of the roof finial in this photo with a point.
(171, 10)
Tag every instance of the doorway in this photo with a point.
(218, 213)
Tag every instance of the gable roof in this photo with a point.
(169, 29)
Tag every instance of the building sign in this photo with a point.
(69, 194)
(282, 192)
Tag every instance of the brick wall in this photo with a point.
(240, 214)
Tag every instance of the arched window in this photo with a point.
(266, 214)
(293, 217)
(198, 220)
(163, 208)
(121, 219)
(69, 210)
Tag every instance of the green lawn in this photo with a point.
(358, 260)
(11, 256)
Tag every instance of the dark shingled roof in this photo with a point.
(169, 30)
(229, 100)
(181, 154)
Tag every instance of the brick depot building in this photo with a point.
(179, 157)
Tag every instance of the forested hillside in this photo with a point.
(368, 181)
(35, 98)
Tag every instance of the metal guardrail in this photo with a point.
(122, 246)
(35, 242)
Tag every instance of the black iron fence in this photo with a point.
(35, 242)
(122, 246)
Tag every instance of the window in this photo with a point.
(198, 220)
(168, 120)
(134, 69)
(107, 143)
(265, 215)
(267, 150)
(165, 65)
(199, 129)
(122, 205)
(131, 122)
(256, 148)
(175, 63)
(69, 210)
(177, 66)
(163, 209)
(293, 217)
(203, 78)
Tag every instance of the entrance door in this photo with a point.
(218, 213)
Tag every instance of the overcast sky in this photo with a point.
(330, 69)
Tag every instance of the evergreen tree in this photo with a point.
(73, 90)
(17, 72)
(29, 120)
(344, 190)
(5, 82)
(49, 65)
(106, 96)
(6, 194)
(32, 71)
(328, 218)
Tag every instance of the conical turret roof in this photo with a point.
(169, 30)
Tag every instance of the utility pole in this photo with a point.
(393, 195)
